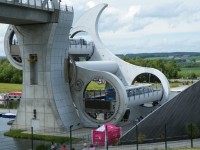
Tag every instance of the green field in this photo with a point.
(95, 86)
(185, 72)
(156, 58)
(8, 87)
(197, 58)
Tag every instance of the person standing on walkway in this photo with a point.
(85, 147)
(63, 147)
(92, 147)
(53, 146)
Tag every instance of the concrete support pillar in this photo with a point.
(45, 92)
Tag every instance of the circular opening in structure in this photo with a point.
(14, 48)
(100, 100)
(148, 87)
(81, 47)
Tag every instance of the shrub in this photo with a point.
(141, 138)
(192, 130)
(42, 147)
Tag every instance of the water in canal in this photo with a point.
(11, 143)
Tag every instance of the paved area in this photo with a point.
(14, 111)
(158, 146)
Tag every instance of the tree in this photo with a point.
(8, 73)
(192, 130)
(172, 69)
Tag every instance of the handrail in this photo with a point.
(138, 91)
(47, 5)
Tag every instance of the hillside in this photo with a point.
(170, 54)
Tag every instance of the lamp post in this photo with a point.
(70, 134)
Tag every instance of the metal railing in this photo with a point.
(146, 92)
(47, 5)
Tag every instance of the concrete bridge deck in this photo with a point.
(23, 12)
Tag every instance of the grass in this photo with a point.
(8, 87)
(57, 139)
(187, 71)
(95, 86)
(175, 84)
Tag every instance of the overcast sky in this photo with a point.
(143, 26)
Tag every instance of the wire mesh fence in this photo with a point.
(167, 137)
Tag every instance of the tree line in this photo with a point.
(170, 69)
(167, 54)
(8, 73)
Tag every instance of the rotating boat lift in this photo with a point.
(71, 98)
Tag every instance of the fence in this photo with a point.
(166, 137)
(182, 138)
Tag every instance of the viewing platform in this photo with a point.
(22, 12)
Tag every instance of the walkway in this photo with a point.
(14, 111)
(157, 146)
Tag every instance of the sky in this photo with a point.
(142, 26)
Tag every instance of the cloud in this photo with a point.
(143, 26)
(114, 19)
(91, 4)
(163, 10)
(150, 28)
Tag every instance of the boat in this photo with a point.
(8, 115)
(10, 122)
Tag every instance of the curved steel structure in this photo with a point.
(125, 73)
(7, 44)
(55, 85)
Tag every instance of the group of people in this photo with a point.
(54, 147)
(88, 148)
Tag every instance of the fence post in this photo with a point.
(136, 136)
(165, 136)
(191, 136)
(32, 138)
(70, 138)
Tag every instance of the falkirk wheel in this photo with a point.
(55, 94)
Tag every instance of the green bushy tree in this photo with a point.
(192, 130)
(9, 74)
